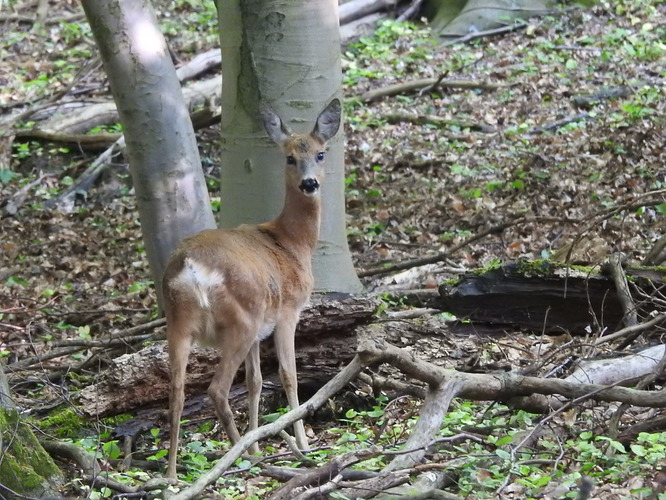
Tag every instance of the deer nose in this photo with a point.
(309, 185)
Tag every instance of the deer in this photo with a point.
(233, 288)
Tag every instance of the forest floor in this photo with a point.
(558, 135)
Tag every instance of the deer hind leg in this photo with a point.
(253, 382)
(284, 345)
(235, 346)
(179, 336)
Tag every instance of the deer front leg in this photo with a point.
(284, 345)
(253, 382)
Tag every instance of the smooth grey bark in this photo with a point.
(164, 160)
(286, 53)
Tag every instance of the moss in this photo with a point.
(491, 266)
(63, 423)
(451, 282)
(545, 267)
(116, 420)
(25, 467)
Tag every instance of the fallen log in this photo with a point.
(324, 340)
(541, 296)
(356, 9)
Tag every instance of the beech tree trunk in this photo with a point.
(164, 160)
(287, 54)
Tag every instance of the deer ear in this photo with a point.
(328, 121)
(277, 130)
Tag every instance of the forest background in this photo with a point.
(544, 140)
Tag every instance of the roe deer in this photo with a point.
(232, 288)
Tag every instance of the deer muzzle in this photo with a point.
(309, 186)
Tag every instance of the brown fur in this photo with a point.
(231, 287)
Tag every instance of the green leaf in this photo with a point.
(159, 455)
(111, 449)
(6, 175)
(504, 440)
(16, 281)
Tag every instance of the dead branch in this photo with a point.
(407, 87)
(607, 371)
(427, 485)
(81, 457)
(356, 9)
(435, 408)
(323, 474)
(199, 64)
(14, 203)
(411, 11)
(368, 488)
(480, 34)
(560, 123)
(93, 142)
(27, 19)
(437, 121)
(358, 28)
(501, 386)
(381, 384)
(65, 200)
(587, 101)
(630, 330)
(613, 266)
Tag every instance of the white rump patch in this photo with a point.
(265, 330)
(198, 280)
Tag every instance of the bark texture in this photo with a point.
(164, 160)
(287, 54)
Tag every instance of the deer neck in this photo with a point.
(298, 223)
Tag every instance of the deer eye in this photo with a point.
(320, 156)
(291, 160)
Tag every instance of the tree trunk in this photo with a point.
(164, 160)
(26, 470)
(287, 54)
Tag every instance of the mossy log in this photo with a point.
(26, 470)
(543, 296)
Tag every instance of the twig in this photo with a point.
(631, 329)
(613, 266)
(480, 34)
(438, 121)
(406, 87)
(410, 11)
(18, 198)
(89, 176)
(332, 469)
